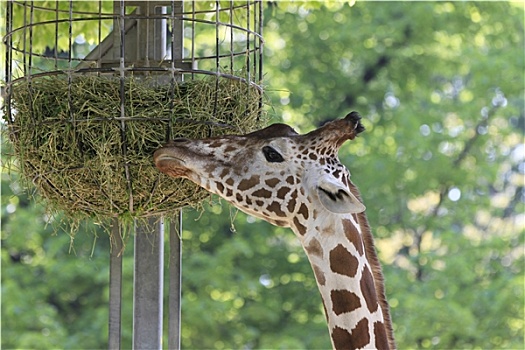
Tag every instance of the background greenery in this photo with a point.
(441, 169)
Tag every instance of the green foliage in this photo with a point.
(443, 143)
(235, 286)
(440, 167)
(53, 293)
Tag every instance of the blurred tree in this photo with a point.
(49, 298)
(440, 167)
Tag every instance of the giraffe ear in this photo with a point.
(336, 197)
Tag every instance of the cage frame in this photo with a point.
(149, 237)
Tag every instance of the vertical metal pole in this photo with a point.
(148, 284)
(175, 262)
(115, 259)
(175, 266)
(8, 59)
(149, 236)
(115, 286)
(260, 29)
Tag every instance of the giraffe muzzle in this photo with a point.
(168, 162)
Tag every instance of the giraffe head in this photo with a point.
(297, 181)
(274, 173)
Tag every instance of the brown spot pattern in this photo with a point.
(360, 335)
(328, 229)
(224, 172)
(272, 182)
(314, 247)
(281, 193)
(342, 262)
(342, 339)
(344, 301)
(280, 223)
(300, 227)
(353, 235)
(262, 193)
(276, 208)
(380, 335)
(345, 180)
(246, 184)
(303, 210)
(291, 203)
(319, 275)
(229, 148)
(368, 290)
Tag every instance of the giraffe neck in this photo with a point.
(346, 280)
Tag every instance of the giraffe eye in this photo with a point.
(272, 155)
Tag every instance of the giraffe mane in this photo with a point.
(274, 130)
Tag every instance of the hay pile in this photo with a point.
(86, 160)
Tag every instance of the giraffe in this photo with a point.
(297, 181)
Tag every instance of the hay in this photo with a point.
(87, 160)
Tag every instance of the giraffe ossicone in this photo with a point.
(297, 181)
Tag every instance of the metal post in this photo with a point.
(149, 45)
(148, 284)
(115, 286)
(175, 262)
(175, 265)
(145, 42)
